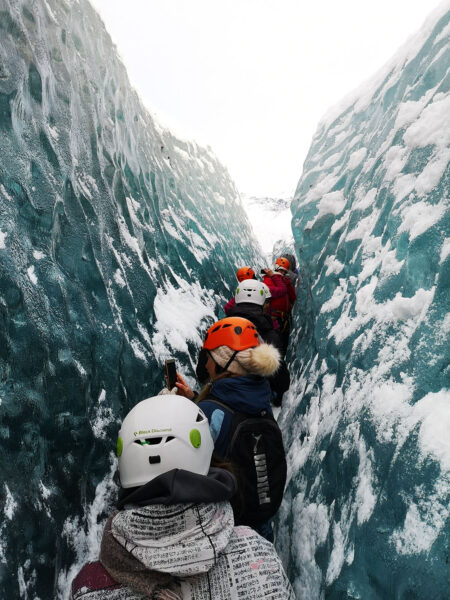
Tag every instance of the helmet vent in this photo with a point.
(169, 438)
(200, 417)
(154, 460)
(154, 441)
(149, 441)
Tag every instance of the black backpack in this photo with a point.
(256, 451)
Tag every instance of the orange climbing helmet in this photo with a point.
(235, 332)
(245, 273)
(282, 263)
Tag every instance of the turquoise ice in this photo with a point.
(368, 421)
(117, 243)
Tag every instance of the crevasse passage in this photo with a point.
(118, 242)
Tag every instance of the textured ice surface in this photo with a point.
(367, 422)
(117, 245)
(271, 220)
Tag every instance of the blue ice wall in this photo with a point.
(118, 242)
(367, 422)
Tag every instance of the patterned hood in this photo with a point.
(180, 539)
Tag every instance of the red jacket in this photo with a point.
(283, 293)
(229, 305)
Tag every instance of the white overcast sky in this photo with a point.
(252, 78)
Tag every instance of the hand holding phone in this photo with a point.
(171, 373)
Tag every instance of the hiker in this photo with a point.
(283, 297)
(173, 536)
(239, 396)
(252, 302)
(293, 271)
(241, 274)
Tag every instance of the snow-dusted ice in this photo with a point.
(118, 245)
(367, 421)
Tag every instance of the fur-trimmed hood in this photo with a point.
(263, 360)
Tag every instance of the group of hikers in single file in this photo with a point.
(203, 473)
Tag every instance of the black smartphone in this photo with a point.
(171, 373)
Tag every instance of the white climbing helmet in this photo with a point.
(160, 434)
(252, 291)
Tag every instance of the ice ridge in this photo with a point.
(117, 242)
(367, 420)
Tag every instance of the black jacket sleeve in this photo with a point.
(280, 382)
(202, 373)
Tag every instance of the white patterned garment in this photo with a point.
(198, 544)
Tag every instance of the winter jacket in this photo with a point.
(262, 321)
(228, 306)
(283, 293)
(279, 383)
(250, 395)
(181, 548)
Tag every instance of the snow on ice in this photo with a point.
(367, 419)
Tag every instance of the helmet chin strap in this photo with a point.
(233, 356)
(224, 368)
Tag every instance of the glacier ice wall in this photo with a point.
(117, 242)
(270, 218)
(366, 513)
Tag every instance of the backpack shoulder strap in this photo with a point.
(263, 413)
(239, 418)
(214, 400)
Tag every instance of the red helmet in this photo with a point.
(235, 332)
(283, 263)
(245, 273)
